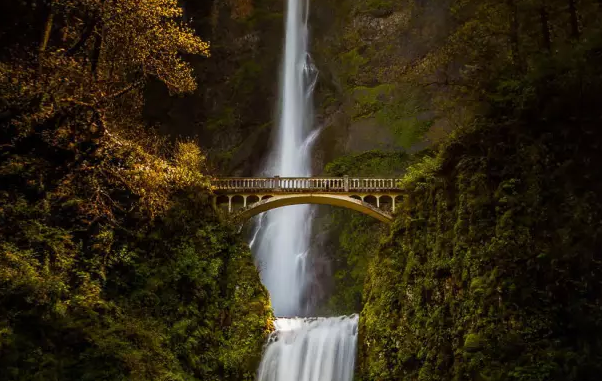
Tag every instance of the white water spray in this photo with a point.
(310, 349)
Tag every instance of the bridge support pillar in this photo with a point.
(393, 198)
(229, 204)
(378, 201)
(244, 201)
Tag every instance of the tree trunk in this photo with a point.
(575, 33)
(45, 37)
(545, 28)
(47, 30)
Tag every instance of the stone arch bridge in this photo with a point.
(247, 197)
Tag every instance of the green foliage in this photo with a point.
(492, 268)
(114, 291)
(113, 263)
(370, 163)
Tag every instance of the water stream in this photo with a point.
(301, 349)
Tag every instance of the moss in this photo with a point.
(350, 64)
(477, 263)
(369, 100)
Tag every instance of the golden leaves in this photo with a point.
(147, 35)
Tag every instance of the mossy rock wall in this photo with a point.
(492, 267)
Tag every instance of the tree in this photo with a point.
(95, 56)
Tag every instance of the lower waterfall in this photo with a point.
(310, 349)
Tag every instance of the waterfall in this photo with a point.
(300, 349)
(282, 249)
(311, 349)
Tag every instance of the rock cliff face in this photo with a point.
(367, 99)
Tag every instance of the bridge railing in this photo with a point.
(304, 184)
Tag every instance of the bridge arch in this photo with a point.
(278, 201)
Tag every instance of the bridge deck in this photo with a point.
(304, 185)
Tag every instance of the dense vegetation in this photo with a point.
(113, 264)
(352, 237)
(492, 268)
